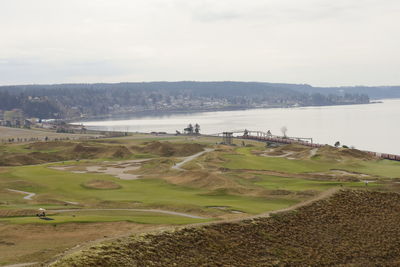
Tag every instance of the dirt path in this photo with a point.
(185, 160)
(20, 264)
(29, 194)
(139, 210)
(278, 156)
(313, 152)
(323, 195)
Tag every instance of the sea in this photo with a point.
(373, 127)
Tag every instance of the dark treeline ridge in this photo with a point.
(75, 100)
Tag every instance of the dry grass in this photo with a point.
(15, 213)
(332, 153)
(7, 132)
(101, 184)
(43, 152)
(35, 242)
(353, 228)
(168, 149)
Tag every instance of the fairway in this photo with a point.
(85, 216)
(54, 186)
(290, 184)
(102, 182)
(244, 159)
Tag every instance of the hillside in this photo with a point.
(353, 228)
(105, 188)
(90, 100)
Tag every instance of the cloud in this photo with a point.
(284, 10)
(308, 41)
(26, 70)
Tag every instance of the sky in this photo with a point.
(318, 42)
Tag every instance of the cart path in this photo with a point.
(29, 196)
(323, 195)
(20, 264)
(139, 210)
(190, 158)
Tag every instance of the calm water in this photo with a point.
(374, 127)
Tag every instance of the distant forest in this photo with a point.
(90, 100)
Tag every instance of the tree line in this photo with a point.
(73, 100)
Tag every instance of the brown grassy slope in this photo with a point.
(333, 153)
(39, 242)
(101, 184)
(353, 228)
(168, 149)
(214, 181)
(42, 152)
(7, 132)
(326, 152)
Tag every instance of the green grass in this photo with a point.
(386, 168)
(296, 184)
(52, 184)
(246, 160)
(105, 216)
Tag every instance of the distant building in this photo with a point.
(27, 124)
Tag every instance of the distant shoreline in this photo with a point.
(166, 113)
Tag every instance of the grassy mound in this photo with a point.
(17, 213)
(101, 184)
(168, 149)
(121, 152)
(333, 153)
(42, 152)
(357, 228)
(213, 181)
(48, 145)
(90, 151)
(292, 150)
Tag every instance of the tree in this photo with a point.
(189, 129)
(337, 144)
(197, 128)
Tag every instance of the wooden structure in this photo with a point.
(227, 138)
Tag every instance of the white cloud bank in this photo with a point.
(321, 42)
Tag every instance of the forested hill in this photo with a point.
(74, 100)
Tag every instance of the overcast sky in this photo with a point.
(319, 42)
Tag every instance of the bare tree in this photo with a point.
(284, 131)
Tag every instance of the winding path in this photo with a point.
(29, 194)
(20, 264)
(139, 210)
(185, 160)
(323, 195)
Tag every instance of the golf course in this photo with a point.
(101, 189)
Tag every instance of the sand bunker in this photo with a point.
(117, 169)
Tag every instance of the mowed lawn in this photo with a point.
(296, 184)
(53, 185)
(246, 160)
(87, 216)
